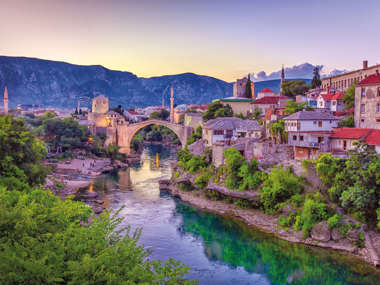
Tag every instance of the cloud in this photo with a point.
(304, 70)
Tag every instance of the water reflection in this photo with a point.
(218, 250)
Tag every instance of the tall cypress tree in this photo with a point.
(248, 90)
(316, 82)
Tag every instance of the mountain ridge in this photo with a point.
(61, 84)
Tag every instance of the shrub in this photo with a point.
(312, 213)
(334, 221)
(202, 180)
(279, 186)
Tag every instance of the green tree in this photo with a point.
(291, 88)
(118, 109)
(257, 113)
(349, 96)
(217, 109)
(279, 186)
(20, 153)
(195, 136)
(293, 107)
(163, 114)
(316, 81)
(248, 89)
(348, 123)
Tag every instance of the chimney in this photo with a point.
(365, 64)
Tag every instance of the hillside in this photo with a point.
(60, 84)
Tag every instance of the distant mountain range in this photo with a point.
(60, 84)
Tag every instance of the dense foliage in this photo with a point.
(293, 107)
(20, 154)
(292, 88)
(349, 96)
(153, 133)
(277, 130)
(280, 185)
(241, 174)
(217, 109)
(195, 135)
(160, 115)
(353, 183)
(349, 122)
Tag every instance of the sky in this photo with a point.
(219, 38)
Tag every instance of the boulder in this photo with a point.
(335, 234)
(321, 232)
(353, 235)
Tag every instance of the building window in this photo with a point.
(314, 122)
(378, 108)
(362, 120)
(301, 138)
(320, 124)
(218, 132)
(378, 120)
(333, 103)
(362, 108)
(320, 139)
(294, 138)
(363, 92)
(378, 91)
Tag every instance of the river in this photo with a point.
(219, 250)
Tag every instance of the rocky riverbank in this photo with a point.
(321, 235)
(69, 176)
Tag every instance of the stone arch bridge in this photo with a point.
(123, 134)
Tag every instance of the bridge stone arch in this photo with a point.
(126, 132)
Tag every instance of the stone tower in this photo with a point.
(100, 104)
(6, 101)
(282, 78)
(171, 105)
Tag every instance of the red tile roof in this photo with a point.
(332, 96)
(374, 137)
(372, 79)
(132, 112)
(270, 100)
(350, 133)
(266, 90)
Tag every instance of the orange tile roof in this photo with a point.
(372, 79)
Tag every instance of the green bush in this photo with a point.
(334, 221)
(312, 213)
(202, 180)
(279, 186)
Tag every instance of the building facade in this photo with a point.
(240, 86)
(344, 81)
(309, 132)
(225, 130)
(367, 102)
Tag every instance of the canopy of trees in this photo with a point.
(160, 115)
(354, 183)
(291, 88)
(216, 110)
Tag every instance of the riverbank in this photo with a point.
(70, 175)
(321, 236)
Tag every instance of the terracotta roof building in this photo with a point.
(367, 102)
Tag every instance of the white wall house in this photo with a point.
(309, 132)
(226, 130)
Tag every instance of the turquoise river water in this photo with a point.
(219, 250)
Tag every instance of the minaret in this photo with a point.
(171, 105)
(282, 78)
(6, 101)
